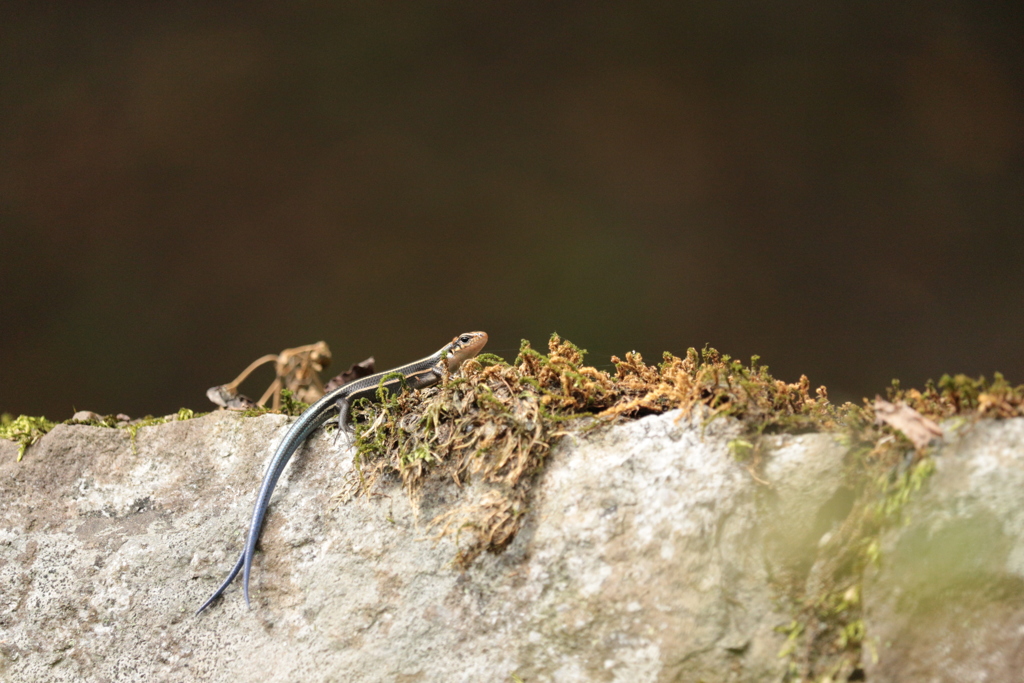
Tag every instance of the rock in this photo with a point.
(648, 554)
(947, 602)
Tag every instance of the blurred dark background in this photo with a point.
(838, 187)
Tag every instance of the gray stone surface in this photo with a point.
(645, 557)
(947, 602)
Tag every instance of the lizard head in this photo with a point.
(464, 347)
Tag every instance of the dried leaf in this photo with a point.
(361, 369)
(296, 370)
(915, 426)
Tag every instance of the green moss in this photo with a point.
(418, 454)
(742, 449)
(793, 631)
(24, 430)
(188, 414)
(489, 359)
(290, 405)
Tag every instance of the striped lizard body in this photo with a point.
(416, 375)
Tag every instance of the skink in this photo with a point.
(415, 375)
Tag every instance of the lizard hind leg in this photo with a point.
(342, 419)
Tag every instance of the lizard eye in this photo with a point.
(464, 339)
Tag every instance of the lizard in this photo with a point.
(336, 404)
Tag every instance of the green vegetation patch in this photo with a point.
(24, 430)
(291, 405)
(27, 430)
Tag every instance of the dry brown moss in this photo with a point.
(963, 395)
(726, 386)
(494, 425)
